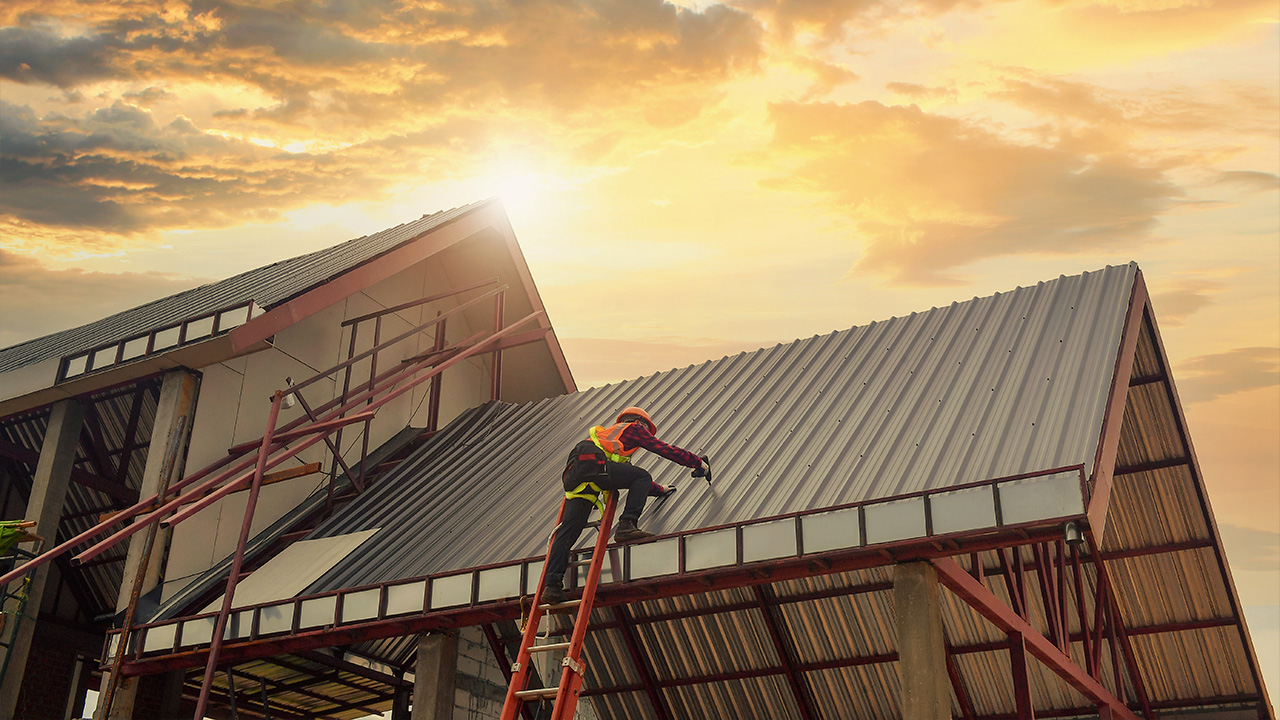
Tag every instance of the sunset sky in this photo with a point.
(751, 172)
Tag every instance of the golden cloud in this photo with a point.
(929, 193)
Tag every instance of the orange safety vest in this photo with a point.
(608, 440)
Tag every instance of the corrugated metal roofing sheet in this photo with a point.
(267, 286)
(987, 388)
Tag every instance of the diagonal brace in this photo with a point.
(989, 606)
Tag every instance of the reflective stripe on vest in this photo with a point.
(608, 440)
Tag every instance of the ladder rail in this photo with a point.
(574, 672)
(571, 678)
(520, 670)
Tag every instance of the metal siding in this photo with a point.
(266, 286)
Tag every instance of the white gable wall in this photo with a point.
(235, 397)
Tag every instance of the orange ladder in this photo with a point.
(566, 693)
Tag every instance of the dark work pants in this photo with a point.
(619, 476)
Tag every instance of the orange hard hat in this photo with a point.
(640, 413)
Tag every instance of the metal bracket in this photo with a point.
(575, 665)
(515, 667)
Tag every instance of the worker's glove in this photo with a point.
(661, 491)
(704, 469)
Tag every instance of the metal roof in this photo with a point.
(989, 388)
(992, 387)
(267, 286)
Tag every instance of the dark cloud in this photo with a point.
(36, 56)
(930, 193)
(36, 300)
(117, 171)
(1206, 377)
(369, 58)
(426, 78)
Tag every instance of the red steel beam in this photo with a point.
(318, 427)
(957, 686)
(87, 479)
(1109, 438)
(420, 301)
(1021, 683)
(989, 606)
(798, 690)
(131, 429)
(632, 641)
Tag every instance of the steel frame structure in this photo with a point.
(355, 405)
(1049, 584)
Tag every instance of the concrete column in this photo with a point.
(433, 677)
(48, 492)
(922, 661)
(166, 455)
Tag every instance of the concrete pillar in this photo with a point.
(433, 677)
(922, 661)
(48, 492)
(165, 457)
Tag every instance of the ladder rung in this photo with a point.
(549, 647)
(581, 563)
(593, 524)
(562, 606)
(537, 693)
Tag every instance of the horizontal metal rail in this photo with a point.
(678, 563)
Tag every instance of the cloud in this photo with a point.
(115, 172)
(448, 86)
(832, 20)
(1250, 181)
(1185, 297)
(922, 92)
(36, 300)
(929, 193)
(1207, 377)
(1251, 548)
(1235, 108)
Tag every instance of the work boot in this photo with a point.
(626, 532)
(553, 594)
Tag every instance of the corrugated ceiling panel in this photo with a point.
(841, 628)
(1193, 663)
(956, 394)
(708, 645)
(764, 698)
(1154, 508)
(866, 692)
(1189, 588)
(633, 705)
(266, 286)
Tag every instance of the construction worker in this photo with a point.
(603, 462)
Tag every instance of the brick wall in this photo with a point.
(46, 685)
(480, 687)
